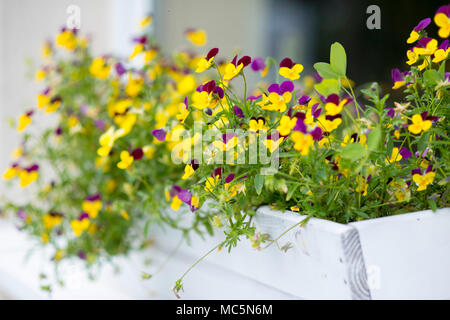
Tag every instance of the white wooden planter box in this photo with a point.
(398, 257)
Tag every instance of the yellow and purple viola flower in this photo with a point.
(442, 20)
(206, 63)
(197, 37)
(180, 196)
(139, 46)
(81, 224)
(24, 121)
(190, 168)
(278, 98)
(257, 123)
(67, 38)
(421, 122)
(207, 96)
(289, 69)
(334, 106)
(229, 141)
(442, 52)
(258, 64)
(423, 180)
(233, 68)
(28, 175)
(414, 36)
(399, 78)
(127, 158)
(273, 141)
(183, 110)
(100, 68)
(398, 154)
(92, 205)
(426, 46)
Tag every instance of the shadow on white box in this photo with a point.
(398, 257)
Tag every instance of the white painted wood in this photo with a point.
(316, 266)
(398, 257)
(408, 256)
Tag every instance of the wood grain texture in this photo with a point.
(356, 268)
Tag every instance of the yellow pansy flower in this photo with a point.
(286, 125)
(197, 37)
(24, 122)
(422, 181)
(443, 22)
(126, 160)
(302, 142)
(79, 226)
(92, 208)
(99, 68)
(27, 177)
(418, 124)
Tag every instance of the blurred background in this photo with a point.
(300, 29)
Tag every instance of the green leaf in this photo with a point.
(259, 183)
(373, 140)
(325, 70)
(338, 59)
(353, 151)
(431, 77)
(327, 87)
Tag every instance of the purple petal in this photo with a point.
(212, 53)
(415, 171)
(405, 153)
(316, 133)
(120, 69)
(137, 154)
(258, 64)
(286, 86)
(185, 196)
(304, 100)
(300, 125)
(238, 111)
(274, 88)
(391, 112)
(34, 167)
(315, 110)
(245, 60)
(219, 92)
(217, 172)
(422, 24)
(159, 134)
(175, 190)
(94, 197)
(83, 216)
(229, 178)
(396, 75)
(286, 62)
(333, 98)
(444, 45)
(21, 214)
(186, 103)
